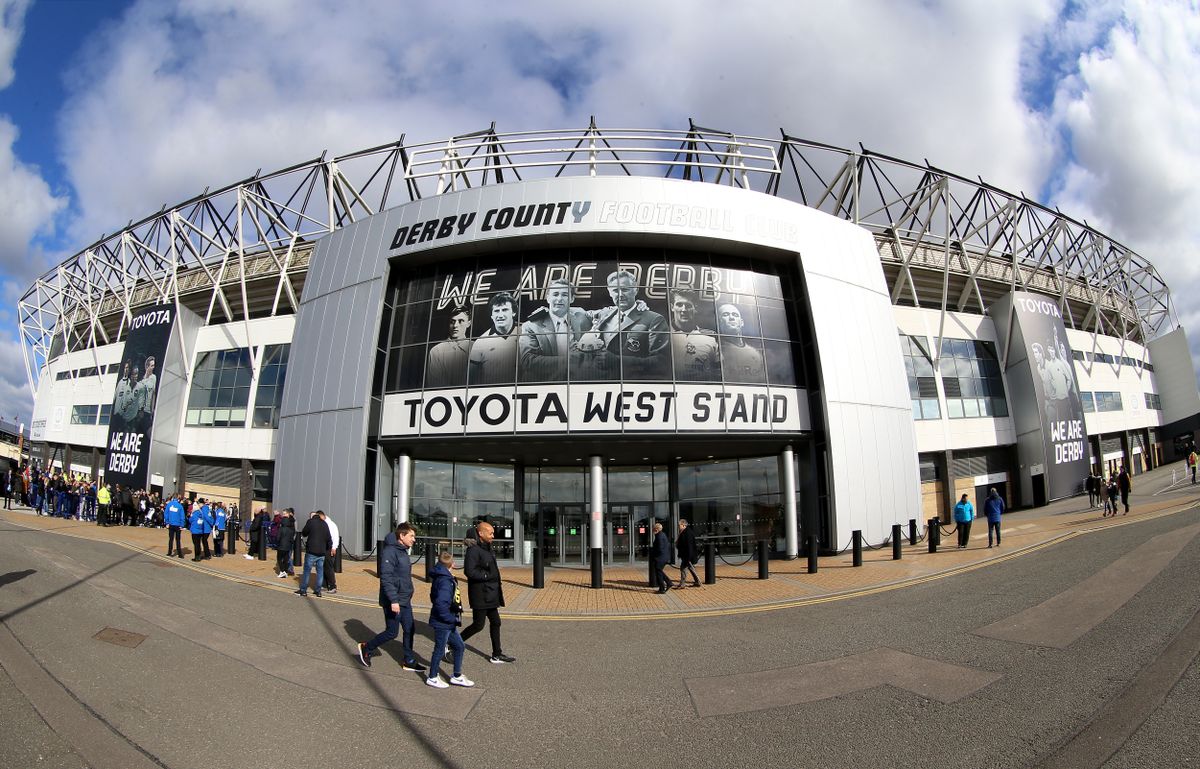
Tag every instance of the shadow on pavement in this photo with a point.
(14, 576)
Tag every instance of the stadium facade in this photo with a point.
(582, 332)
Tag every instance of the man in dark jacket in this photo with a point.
(287, 537)
(484, 590)
(660, 553)
(315, 548)
(258, 529)
(395, 596)
(1125, 484)
(685, 549)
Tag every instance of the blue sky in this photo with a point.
(119, 108)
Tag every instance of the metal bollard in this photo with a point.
(764, 566)
(262, 545)
(378, 557)
(539, 569)
(710, 563)
(597, 557)
(934, 534)
(653, 579)
(896, 541)
(813, 544)
(856, 538)
(430, 558)
(297, 553)
(231, 545)
(337, 558)
(912, 531)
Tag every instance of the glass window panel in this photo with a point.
(970, 407)
(954, 408)
(930, 408)
(999, 407)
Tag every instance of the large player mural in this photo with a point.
(630, 322)
(1064, 436)
(132, 422)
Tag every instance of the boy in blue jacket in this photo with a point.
(445, 618)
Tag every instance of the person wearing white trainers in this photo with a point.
(444, 617)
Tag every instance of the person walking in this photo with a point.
(287, 539)
(335, 541)
(395, 597)
(175, 520)
(444, 617)
(484, 590)
(315, 547)
(993, 508)
(1125, 484)
(660, 553)
(1193, 460)
(1112, 492)
(688, 554)
(964, 513)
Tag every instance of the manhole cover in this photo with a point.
(126, 638)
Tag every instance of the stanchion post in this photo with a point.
(430, 557)
(896, 540)
(856, 539)
(597, 557)
(653, 578)
(933, 534)
(337, 558)
(912, 531)
(378, 557)
(764, 563)
(710, 563)
(297, 552)
(262, 544)
(813, 544)
(539, 569)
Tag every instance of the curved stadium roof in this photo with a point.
(240, 252)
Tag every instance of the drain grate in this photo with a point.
(126, 638)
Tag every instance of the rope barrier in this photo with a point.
(749, 558)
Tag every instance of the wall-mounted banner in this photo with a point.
(132, 421)
(598, 408)
(1063, 433)
(591, 320)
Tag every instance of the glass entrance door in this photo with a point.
(571, 528)
(618, 531)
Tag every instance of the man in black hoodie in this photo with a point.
(395, 596)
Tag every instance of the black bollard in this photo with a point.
(856, 538)
(539, 569)
(896, 541)
(653, 579)
(337, 558)
(231, 545)
(597, 557)
(710, 563)
(430, 558)
(813, 544)
(378, 557)
(764, 564)
(933, 534)
(262, 545)
(912, 531)
(297, 553)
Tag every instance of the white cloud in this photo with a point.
(29, 209)
(204, 93)
(12, 27)
(1132, 111)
